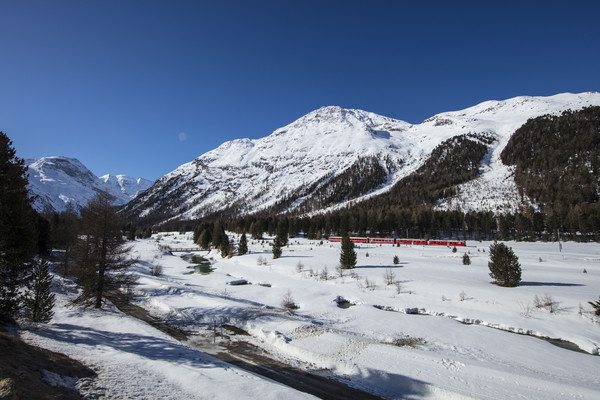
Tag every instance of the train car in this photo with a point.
(382, 240)
(435, 242)
(423, 242)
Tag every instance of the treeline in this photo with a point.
(418, 222)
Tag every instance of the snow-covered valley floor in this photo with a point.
(464, 343)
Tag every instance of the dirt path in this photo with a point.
(251, 358)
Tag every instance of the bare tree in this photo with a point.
(101, 254)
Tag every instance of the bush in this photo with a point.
(288, 301)
(466, 259)
(504, 265)
(156, 270)
(396, 260)
(389, 276)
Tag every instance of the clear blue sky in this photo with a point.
(119, 83)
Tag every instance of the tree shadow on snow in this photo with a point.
(150, 347)
(559, 284)
(381, 266)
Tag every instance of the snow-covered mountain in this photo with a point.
(303, 163)
(129, 187)
(58, 181)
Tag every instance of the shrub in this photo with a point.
(289, 302)
(396, 260)
(389, 276)
(466, 259)
(156, 270)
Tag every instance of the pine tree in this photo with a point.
(243, 246)
(277, 247)
(40, 300)
(217, 235)
(282, 232)
(204, 239)
(224, 247)
(101, 254)
(504, 265)
(596, 306)
(69, 231)
(17, 229)
(347, 255)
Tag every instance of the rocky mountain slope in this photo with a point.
(333, 155)
(58, 181)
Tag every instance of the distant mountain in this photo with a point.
(129, 187)
(333, 156)
(58, 181)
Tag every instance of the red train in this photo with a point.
(425, 242)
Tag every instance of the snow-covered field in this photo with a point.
(463, 343)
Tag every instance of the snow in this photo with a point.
(255, 174)
(470, 340)
(59, 181)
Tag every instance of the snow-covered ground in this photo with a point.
(463, 343)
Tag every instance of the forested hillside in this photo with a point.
(557, 164)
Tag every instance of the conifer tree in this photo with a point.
(243, 246)
(596, 306)
(347, 255)
(17, 229)
(277, 247)
(224, 246)
(217, 235)
(204, 239)
(64, 232)
(504, 265)
(101, 255)
(40, 300)
(282, 232)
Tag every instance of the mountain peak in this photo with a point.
(304, 162)
(58, 181)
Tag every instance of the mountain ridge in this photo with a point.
(56, 181)
(295, 161)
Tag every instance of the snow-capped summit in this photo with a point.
(57, 182)
(305, 161)
(129, 187)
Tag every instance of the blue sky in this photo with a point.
(119, 84)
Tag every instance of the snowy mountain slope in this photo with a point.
(303, 159)
(59, 181)
(129, 187)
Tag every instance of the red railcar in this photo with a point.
(423, 242)
(382, 240)
(435, 242)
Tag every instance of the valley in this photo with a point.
(426, 355)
